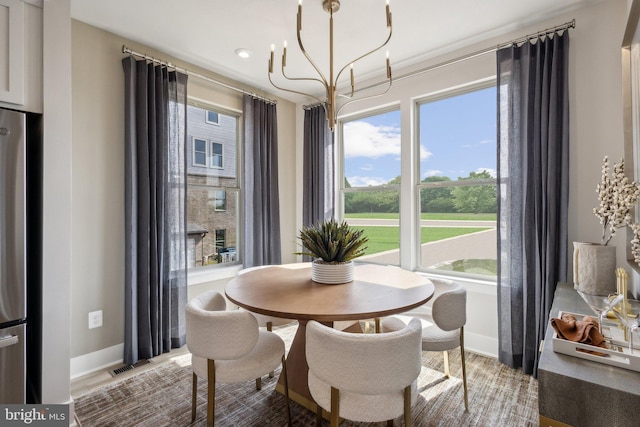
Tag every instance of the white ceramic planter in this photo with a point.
(332, 274)
(594, 268)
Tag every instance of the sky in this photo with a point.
(457, 137)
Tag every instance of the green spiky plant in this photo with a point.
(332, 242)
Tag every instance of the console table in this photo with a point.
(577, 392)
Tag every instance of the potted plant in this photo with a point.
(334, 246)
(594, 264)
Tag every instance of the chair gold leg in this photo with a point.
(389, 423)
(445, 354)
(258, 383)
(286, 389)
(318, 415)
(335, 407)
(464, 370)
(211, 392)
(377, 323)
(270, 329)
(407, 406)
(194, 392)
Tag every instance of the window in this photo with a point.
(371, 182)
(221, 241)
(199, 152)
(213, 193)
(220, 201)
(213, 118)
(457, 189)
(216, 155)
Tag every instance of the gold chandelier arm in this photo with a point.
(294, 91)
(300, 78)
(324, 79)
(366, 54)
(363, 98)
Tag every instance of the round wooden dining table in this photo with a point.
(287, 291)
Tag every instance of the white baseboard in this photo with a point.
(480, 344)
(97, 360)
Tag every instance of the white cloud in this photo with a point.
(367, 167)
(492, 172)
(367, 140)
(432, 172)
(483, 142)
(424, 153)
(366, 181)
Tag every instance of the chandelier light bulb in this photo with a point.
(284, 55)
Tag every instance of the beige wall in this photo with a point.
(98, 185)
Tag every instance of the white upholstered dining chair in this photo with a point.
(264, 321)
(341, 366)
(228, 347)
(443, 330)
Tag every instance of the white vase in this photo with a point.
(594, 268)
(332, 274)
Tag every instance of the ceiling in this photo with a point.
(207, 32)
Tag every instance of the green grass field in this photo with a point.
(387, 238)
(432, 216)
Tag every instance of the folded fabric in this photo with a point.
(584, 331)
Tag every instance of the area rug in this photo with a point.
(161, 396)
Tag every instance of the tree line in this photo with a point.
(463, 199)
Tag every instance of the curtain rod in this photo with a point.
(565, 26)
(126, 50)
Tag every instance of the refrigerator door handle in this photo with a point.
(8, 341)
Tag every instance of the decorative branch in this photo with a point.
(617, 196)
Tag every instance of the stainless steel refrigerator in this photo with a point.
(13, 289)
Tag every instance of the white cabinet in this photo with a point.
(21, 55)
(12, 53)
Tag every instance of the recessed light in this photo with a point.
(243, 53)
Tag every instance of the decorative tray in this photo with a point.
(619, 356)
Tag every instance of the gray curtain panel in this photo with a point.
(155, 209)
(318, 168)
(261, 219)
(533, 192)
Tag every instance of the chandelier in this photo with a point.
(330, 102)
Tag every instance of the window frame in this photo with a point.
(417, 247)
(211, 122)
(213, 155)
(195, 139)
(340, 164)
(224, 237)
(410, 185)
(210, 273)
(216, 199)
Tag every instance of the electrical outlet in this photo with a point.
(95, 319)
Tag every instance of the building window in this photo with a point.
(221, 241)
(371, 182)
(199, 157)
(216, 155)
(213, 192)
(213, 117)
(220, 201)
(457, 189)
